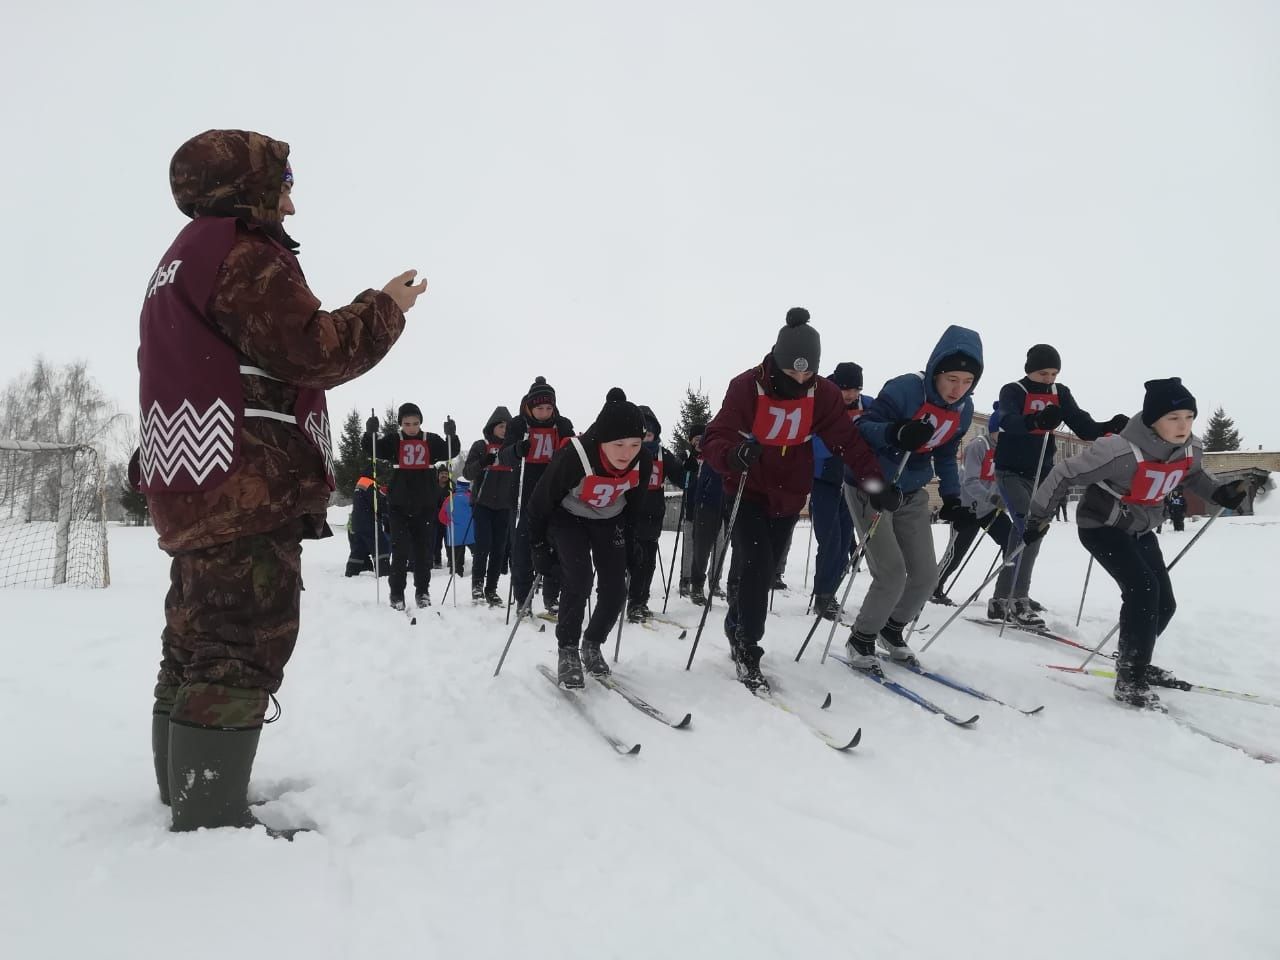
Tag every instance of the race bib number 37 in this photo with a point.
(603, 492)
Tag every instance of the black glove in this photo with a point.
(488, 460)
(1036, 528)
(889, 499)
(1047, 419)
(544, 558)
(371, 425)
(1230, 495)
(910, 434)
(691, 466)
(953, 511)
(746, 454)
(521, 448)
(1116, 423)
(450, 428)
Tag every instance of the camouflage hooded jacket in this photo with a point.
(261, 306)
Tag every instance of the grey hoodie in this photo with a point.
(1108, 466)
(977, 494)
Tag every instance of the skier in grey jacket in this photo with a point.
(983, 512)
(1128, 477)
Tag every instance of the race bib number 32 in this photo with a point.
(414, 455)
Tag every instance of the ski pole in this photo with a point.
(519, 513)
(661, 572)
(808, 547)
(1011, 561)
(523, 613)
(1181, 553)
(676, 546)
(622, 615)
(466, 531)
(1021, 528)
(377, 526)
(451, 540)
(977, 541)
(1087, 574)
(719, 565)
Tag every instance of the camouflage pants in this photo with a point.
(231, 621)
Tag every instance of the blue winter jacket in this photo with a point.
(902, 397)
(827, 468)
(464, 530)
(708, 491)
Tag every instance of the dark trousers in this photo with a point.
(998, 529)
(1146, 595)
(758, 540)
(410, 539)
(833, 528)
(708, 528)
(492, 530)
(580, 546)
(642, 562)
(522, 566)
(457, 558)
(1179, 518)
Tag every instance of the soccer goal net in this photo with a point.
(53, 529)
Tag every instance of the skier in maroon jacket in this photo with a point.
(761, 439)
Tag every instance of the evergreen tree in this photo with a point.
(353, 454)
(695, 411)
(1221, 434)
(391, 423)
(135, 505)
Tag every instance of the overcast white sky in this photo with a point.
(634, 194)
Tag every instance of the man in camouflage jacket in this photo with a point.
(235, 456)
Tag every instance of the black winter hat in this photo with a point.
(651, 423)
(540, 392)
(408, 410)
(1042, 357)
(1165, 396)
(953, 362)
(847, 376)
(697, 430)
(618, 418)
(798, 346)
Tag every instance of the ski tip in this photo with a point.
(857, 739)
(542, 629)
(626, 751)
(683, 634)
(1033, 711)
(966, 723)
(683, 724)
(826, 703)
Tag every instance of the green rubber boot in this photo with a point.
(209, 776)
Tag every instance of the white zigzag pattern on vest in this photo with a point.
(318, 427)
(187, 440)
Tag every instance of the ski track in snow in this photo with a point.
(463, 816)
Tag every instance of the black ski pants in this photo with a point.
(997, 527)
(491, 544)
(411, 535)
(1146, 595)
(640, 565)
(758, 540)
(522, 566)
(708, 529)
(585, 548)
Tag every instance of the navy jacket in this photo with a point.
(1019, 448)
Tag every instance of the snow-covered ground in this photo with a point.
(463, 816)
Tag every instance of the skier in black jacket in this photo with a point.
(531, 441)
(413, 496)
(653, 510)
(582, 515)
(1030, 410)
(494, 484)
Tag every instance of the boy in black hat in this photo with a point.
(413, 496)
(532, 439)
(1030, 410)
(581, 518)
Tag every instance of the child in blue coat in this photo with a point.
(456, 522)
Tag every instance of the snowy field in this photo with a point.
(462, 816)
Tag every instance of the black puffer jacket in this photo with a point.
(494, 483)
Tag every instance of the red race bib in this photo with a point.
(855, 413)
(601, 492)
(988, 473)
(946, 424)
(656, 474)
(781, 423)
(1035, 402)
(414, 454)
(495, 466)
(543, 443)
(1153, 481)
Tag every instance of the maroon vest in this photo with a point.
(192, 403)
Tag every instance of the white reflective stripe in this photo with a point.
(257, 372)
(582, 455)
(270, 415)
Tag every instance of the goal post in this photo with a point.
(53, 529)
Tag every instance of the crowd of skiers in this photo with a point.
(235, 459)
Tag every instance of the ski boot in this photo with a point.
(1024, 616)
(696, 596)
(593, 661)
(891, 639)
(397, 601)
(778, 584)
(860, 651)
(826, 606)
(569, 669)
(746, 662)
(1136, 693)
(1159, 677)
(684, 587)
(717, 592)
(552, 608)
(638, 612)
(477, 591)
(422, 599)
(1036, 605)
(998, 609)
(492, 598)
(942, 600)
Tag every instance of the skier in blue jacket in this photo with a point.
(921, 416)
